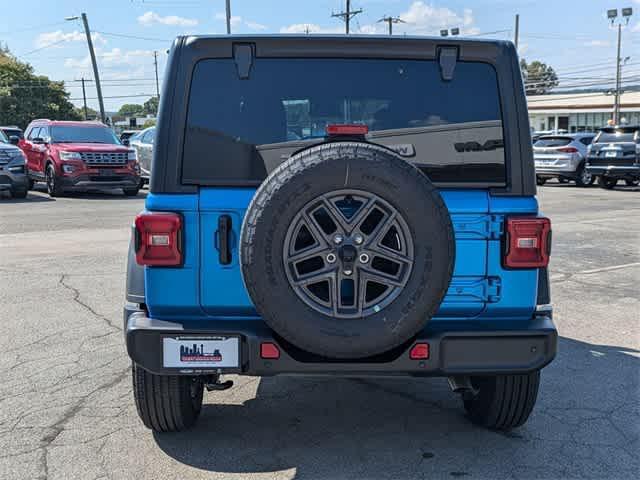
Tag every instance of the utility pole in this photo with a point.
(228, 17)
(155, 64)
(84, 99)
(517, 31)
(96, 76)
(391, 21)
(612, 15)
(347, 15)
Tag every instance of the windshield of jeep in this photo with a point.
(238, 129)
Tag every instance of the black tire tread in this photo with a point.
(302, 162)
(163, 402)
(503, 402)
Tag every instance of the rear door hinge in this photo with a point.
(494, 289)
(496, 223)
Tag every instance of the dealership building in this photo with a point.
(580, 112)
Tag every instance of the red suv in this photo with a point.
(72, 156)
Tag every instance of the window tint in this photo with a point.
(613, 137)
(586, 140)
(78, 134)
(454, 127)
(35, 133)
(149, 136)
(3, 137)
(553, 142)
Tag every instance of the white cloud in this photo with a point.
(597, 43)
(310, 27)
(111, 58)
(523, 48)
(235, 20)
(256, 26)
(151, 18)
(50, 38)
(636, 27)
(428, 19)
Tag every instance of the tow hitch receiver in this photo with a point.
(213, 383)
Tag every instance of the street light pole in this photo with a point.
(616, 101)
(228, 17)
(92, 54)
(612, 15)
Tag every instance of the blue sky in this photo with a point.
(571, 35)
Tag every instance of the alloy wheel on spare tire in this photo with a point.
(347, 250)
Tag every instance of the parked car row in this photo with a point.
(72, 156)
(610, 155)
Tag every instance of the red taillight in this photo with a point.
(347, 129)
(420, 351)
(528, 242)
(269, 351)
(158, 239)
(568, 150)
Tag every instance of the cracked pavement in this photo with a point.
(66, 409)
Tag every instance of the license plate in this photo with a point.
(105, 172)
(201, 352)
(611, 154)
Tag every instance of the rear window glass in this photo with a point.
(239, 129)
(553, 142)
(72, 134)
(610, 137)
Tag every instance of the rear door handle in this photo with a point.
(224, 239)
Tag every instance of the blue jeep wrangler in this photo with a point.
(344, 206)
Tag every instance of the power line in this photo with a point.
(390, 21)
(34, 27)
(122, 35)
(117, 96)
(347, 15)
(42, 48)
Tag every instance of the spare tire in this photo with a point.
(347, 250)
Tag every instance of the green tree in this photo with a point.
(91, 113)
(149, 123)
(151, 106)
(131, 110)
(539, 78)
(25, 96)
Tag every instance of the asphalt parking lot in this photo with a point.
(66, 409)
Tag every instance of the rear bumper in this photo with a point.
(88, 182)
(615, 171)
(547, 172)
(13, 181)
(463, 351)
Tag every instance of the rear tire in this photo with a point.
(503, 402)
(166, 403)
(19, 193)
(607, 182)
(131, 192)
(541, 181)
(583, 177)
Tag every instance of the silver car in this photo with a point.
(13, 176)
(562, 156)
(143, 143)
